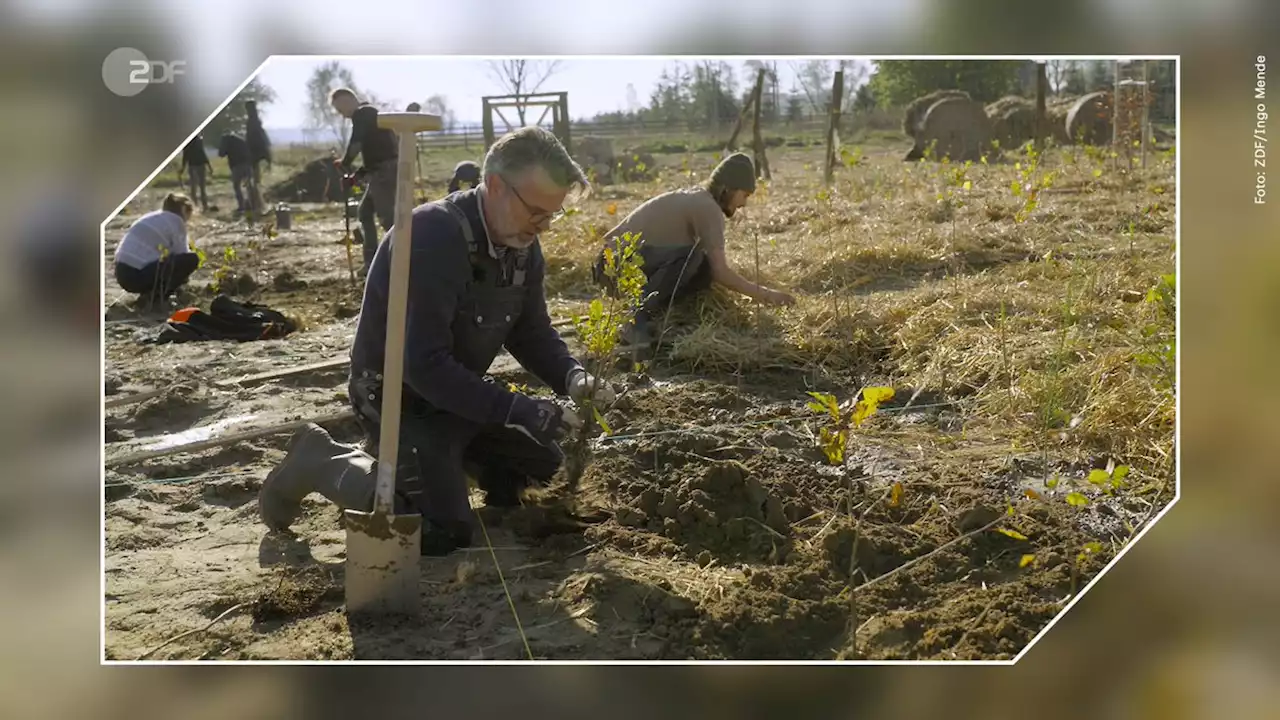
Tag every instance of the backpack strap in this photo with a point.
(517, 279)
(473, 245)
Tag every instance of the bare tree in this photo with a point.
(522, 77)
(814, 77)
(320, 114)
(855, 73)
(1057, 74)
(439, 105)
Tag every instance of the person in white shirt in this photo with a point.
(155, 258)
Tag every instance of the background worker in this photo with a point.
(683, 246)
(378, 148)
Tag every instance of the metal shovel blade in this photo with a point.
(382, 563)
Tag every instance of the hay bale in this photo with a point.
(318, 182)
(592, 150)
(912, 121)
(1013, 120)
(1089, 119)
(634, 166)
(957, 127)
(1056, 110)
(597, 155)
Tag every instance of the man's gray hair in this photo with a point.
(531, 147)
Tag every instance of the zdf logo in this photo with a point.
(127, 71)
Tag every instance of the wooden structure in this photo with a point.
(556, 103)
(833, 137)
(1042, 125)
(757, 140)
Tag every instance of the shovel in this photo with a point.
(383, 548)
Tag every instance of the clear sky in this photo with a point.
(594, 86)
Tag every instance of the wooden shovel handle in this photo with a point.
(397, 300)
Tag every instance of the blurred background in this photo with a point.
(1186, 626)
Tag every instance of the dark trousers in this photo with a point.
(242, 185)
(160, 279)
(377, 206)
(670, 281)
(196, 178)
(439, 450)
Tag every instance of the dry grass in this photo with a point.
(904, 274)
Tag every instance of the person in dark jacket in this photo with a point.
(475, 286)
(466, 174)
(195, 161)
(378, 147)
(259, 150)
(236, 151)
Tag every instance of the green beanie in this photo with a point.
(735, 172)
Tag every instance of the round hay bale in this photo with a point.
(1013, 120)
(594, 149)
(1056, 113)
(958, 128)
(914, 118)
(596, 154)
(1089, 119)
(634, 166)
(318, 182)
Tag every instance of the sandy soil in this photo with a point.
(719, 541)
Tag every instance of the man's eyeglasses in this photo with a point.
(536, 214)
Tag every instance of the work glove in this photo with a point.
(542, 421)
(581, 385)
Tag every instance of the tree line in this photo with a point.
(712, 93)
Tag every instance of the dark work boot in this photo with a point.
(501, 485)
(316, 463)
(439, 540)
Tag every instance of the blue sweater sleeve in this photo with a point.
(532, 341)
(438, 277)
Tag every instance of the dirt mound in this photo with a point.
(1089, 119)
(956, 128)
(319, 181)
(777, 613)
(721, 512)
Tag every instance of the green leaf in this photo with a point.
(1118, 475)
(600, 419)
(1098, 477)
(1052, 482)
(1075, 499)
(1011, 533)
(1093, 547)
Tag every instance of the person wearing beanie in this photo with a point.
(682, 244)
(466, 175)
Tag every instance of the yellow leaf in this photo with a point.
(600, 419)
(1031, 494)
(1026, 560)
(1011, 533)
(870, 402)
(967, 185)
(895, 495)
(612, 209)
